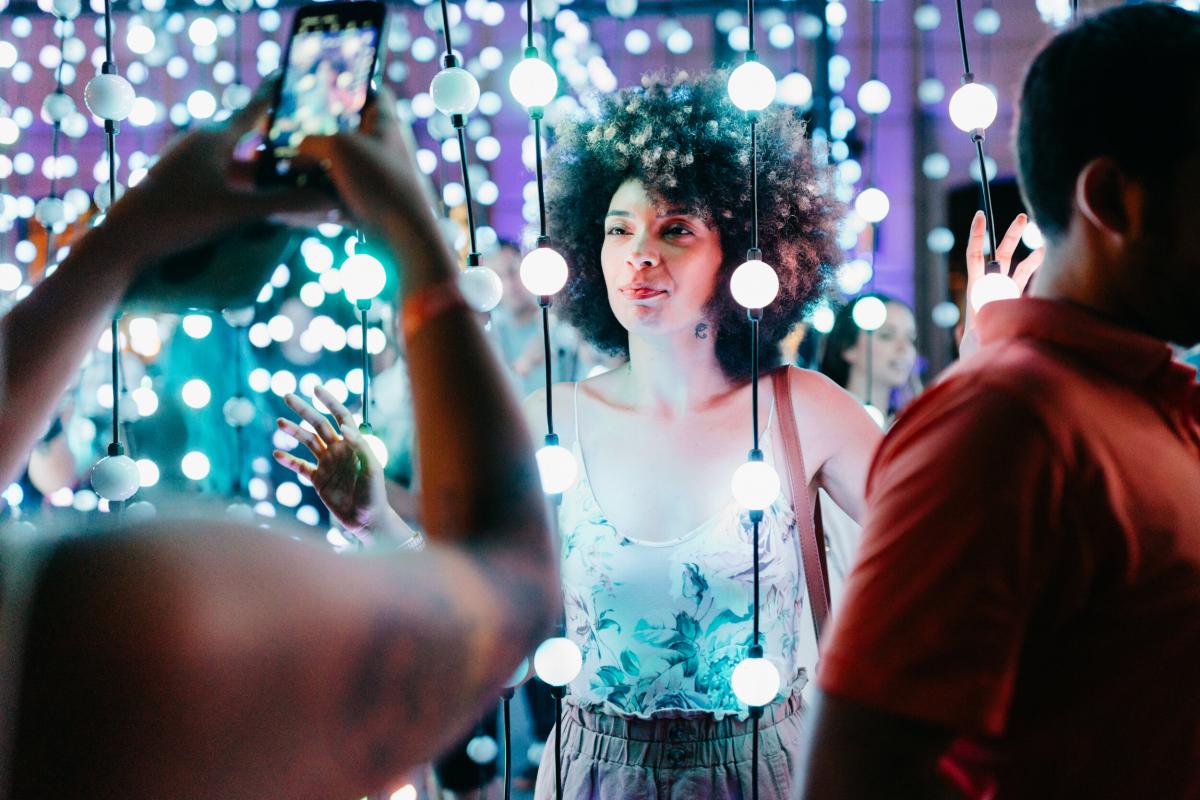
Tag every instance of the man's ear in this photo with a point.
(1112, 202)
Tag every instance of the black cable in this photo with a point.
(460, 127)
(529, 23)
(987, 195)
(962, 37)
(754, 179)
(754, 762)
(541, 189)
(504, 704)
(875, 8)
(750, 22)
(754, 378)
(756, 519)
(116, 380)
(546, 340)
(363, 305)
(108, 47)
(238, 442)
(446, 27)
(558, 745)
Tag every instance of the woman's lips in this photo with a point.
(641, 293)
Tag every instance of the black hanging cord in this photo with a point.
(363, 305)
(529, 23)
(750, 22)
(239, 442)
(875, 10)
(549, 378)
(754, 178)
(558, 789)
(541, 189)
(962, 37)
(505, 702)
(116, 380)
(460, 127)
(446, 27)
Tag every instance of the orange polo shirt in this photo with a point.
(1029, 576)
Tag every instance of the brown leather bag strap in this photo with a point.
(808, 514)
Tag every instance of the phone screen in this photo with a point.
(331, 60)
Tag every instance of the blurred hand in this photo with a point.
(977, 263)
(374, 172)
(346, 475)
(197, 191)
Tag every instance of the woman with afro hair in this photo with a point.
(649, 202)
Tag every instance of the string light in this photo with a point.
(972, 109)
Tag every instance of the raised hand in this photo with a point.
(977, 261)
(346, 475)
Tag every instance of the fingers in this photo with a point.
(379, 117)
(247, 117)
(313, 417)
(342, 414)
(309, 439)
(296, 465)
(975, 245)
(1012, 237)
(1027, 267)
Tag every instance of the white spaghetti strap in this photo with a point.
(575, 403)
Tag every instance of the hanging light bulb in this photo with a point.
(238, 412)
(454, 91)
(481, 288)
(543, 271)
(973, 107)
(754, 284)
(533, 82)
(755, 681)
(363, 277)
(115, 477)
(557, 661)
(50, 211)
(482, 749)
(993, 286)
(874, 96)
(556, 466)
(519, 674)
(869, 313)
(66, 9)
(378, 448)
(57, 106)
(872, 205)
(752, 86)
(755, 484)
(109, 96)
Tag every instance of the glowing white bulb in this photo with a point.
(752, 86)
(195, 465)
(973, 106)
(378, 448)
(876, 415)
(993, 286)
(57, 106)
(945, 314)
(519, 674)
(872, 205)
(557, 468)
(405, 792)
(454, 91)
(543, 271)
(203, 32)
(874, 96)
(1032, 237)
(533, 82)
(755, 485)
(927, 17)
(755, 681)
(823, 319)
(50, 211)
(238, 412)
(754, 284)
(869, 313)
(482, 749)
(363, 277)
(109, 97)
(197, 326)
(795, 89)
(115, 477)
(557, 661)
(621, 9)
(481, 287)
(147, 472)
(140, 39)
(196, 393)
(66, 9)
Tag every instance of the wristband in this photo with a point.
(428, 303)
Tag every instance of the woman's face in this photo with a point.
(660, 264)
(894, 349)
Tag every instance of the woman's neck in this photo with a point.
(675, 375)
(880, 396)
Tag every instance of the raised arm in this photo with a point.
(196, 661)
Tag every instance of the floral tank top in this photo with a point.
(661, 625)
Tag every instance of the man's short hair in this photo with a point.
(1124, 84)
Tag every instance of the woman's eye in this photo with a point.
(616, 230)
(679, 230)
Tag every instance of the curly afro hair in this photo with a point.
(686, 142)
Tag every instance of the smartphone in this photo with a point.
(332, 57)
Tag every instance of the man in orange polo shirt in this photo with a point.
(1024, 619)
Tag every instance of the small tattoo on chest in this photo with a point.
(702, 330)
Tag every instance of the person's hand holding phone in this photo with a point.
(197, 191)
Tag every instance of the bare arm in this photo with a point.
(206, 662)
(858, 753)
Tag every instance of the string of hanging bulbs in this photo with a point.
(755, 485)
(110, 97)
(973, 108)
